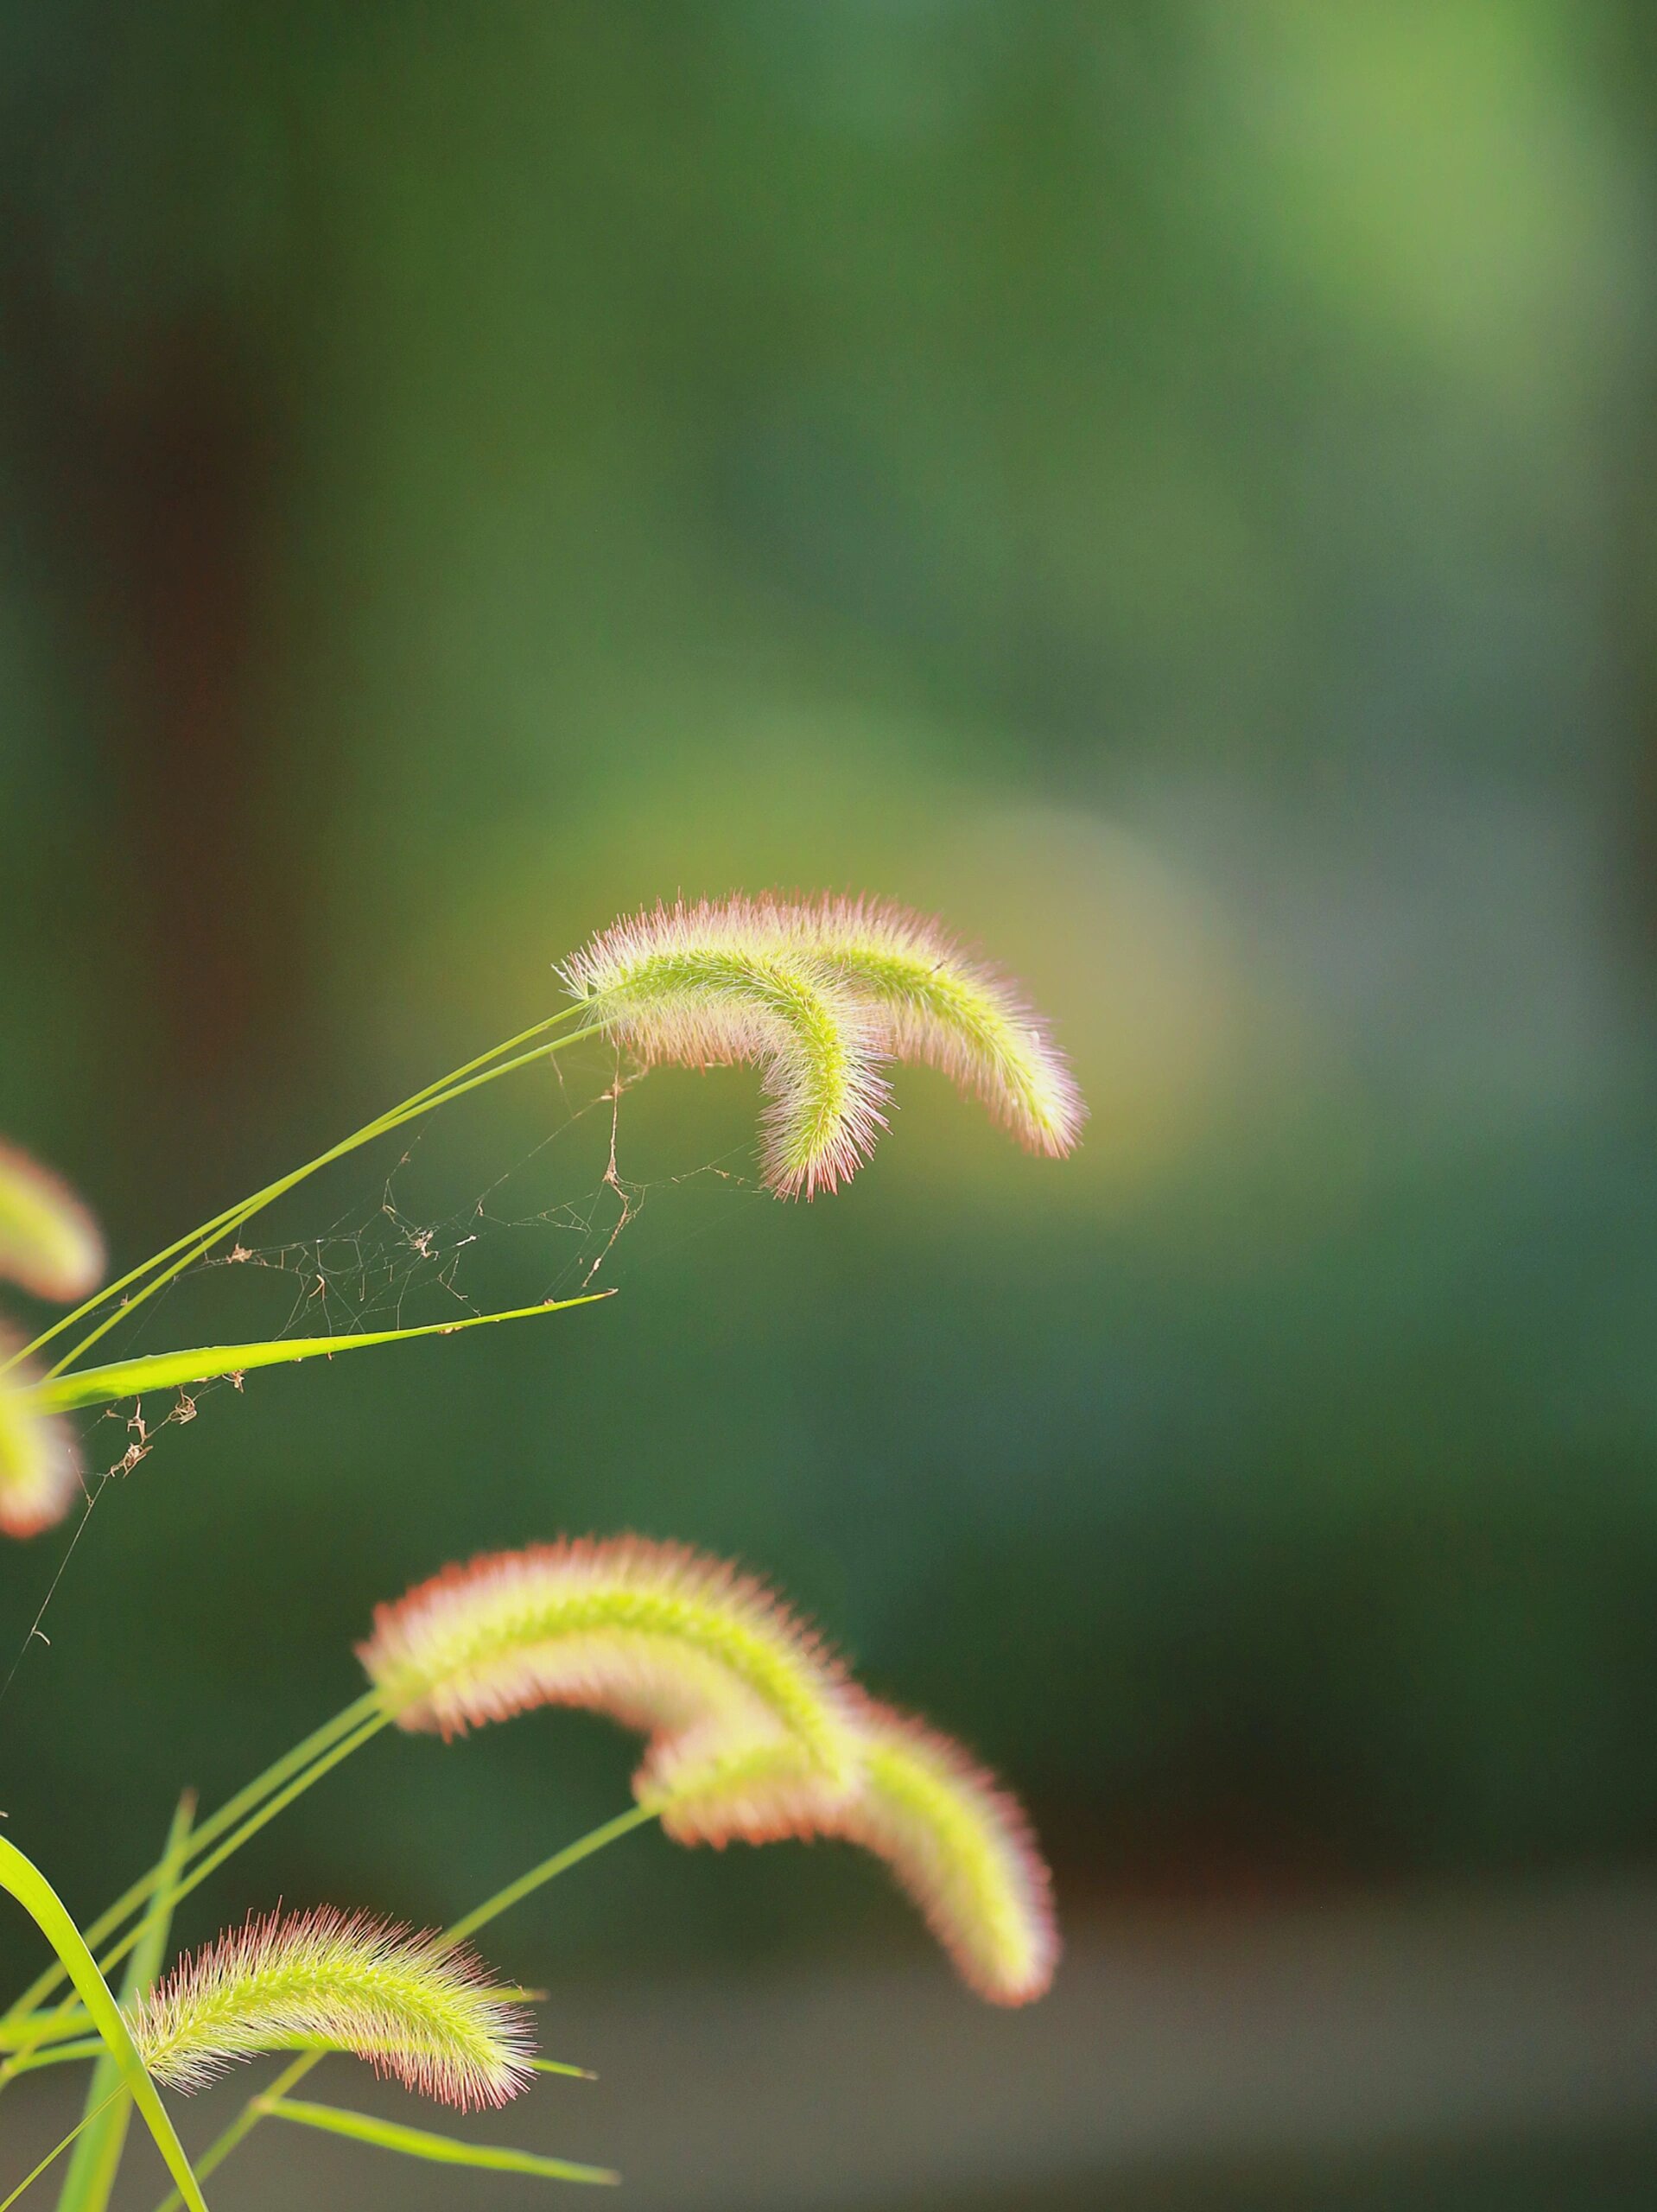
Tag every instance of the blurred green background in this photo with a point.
(1169, 486)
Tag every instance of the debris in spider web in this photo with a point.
(365, 1268)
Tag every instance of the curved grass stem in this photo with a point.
(561, 1861)
(171, 1888)
(56, 2151)
(162, 1266)
(292, 1763)
(56, 2053)
(251, 1827)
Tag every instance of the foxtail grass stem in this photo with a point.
(56, 2054)
(291, 1763)
(250, 1826)
(32, 2029)
(161, 1910)
(561, 1861)
(184, 1250)
(57, 2151)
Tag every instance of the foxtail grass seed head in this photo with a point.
(709, 1788)
(416, 2009)
(822, 992)
(702, 1660)
(711, 986)
(962, 1846)
(957, 1842)
(48, 1242)
(938, 1006)
(40, 1466)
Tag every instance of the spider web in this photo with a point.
(385, 1265)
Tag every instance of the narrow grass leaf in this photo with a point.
(269, 1794)
(170, 1370)
(422, 2142)
(30, 2031)
(49, 2160)
(92, 2169)
(56, 2054)
(46, 1910)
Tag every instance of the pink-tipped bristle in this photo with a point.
(823, 921)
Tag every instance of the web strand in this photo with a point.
(381, 1265)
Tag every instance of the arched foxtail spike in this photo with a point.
(709, 986)
(707, 1788)
(822, 991)
(957, 1842)
(940, 1007)
(962, 1846)
(665, 1640)
(39, 1465)
(48, 1242)
(415, 2008)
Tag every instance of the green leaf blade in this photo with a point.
(58, 2054)
(21, 1876)
(97, 2159)
(422, 2142)
(174, 1370)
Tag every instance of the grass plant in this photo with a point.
(753, 1731)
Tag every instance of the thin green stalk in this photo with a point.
(273, 1805)
(572, 1854)
(92, 2169)
(245, 2122)
(291, 1762)
(176, 1890)
(54, 2153)
(250, 1826)
(36, 2028)
(46, 1910)
(453, 1090)
(283, 1183)
(223, 1223)
(56, 2053)
(185, 1250)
